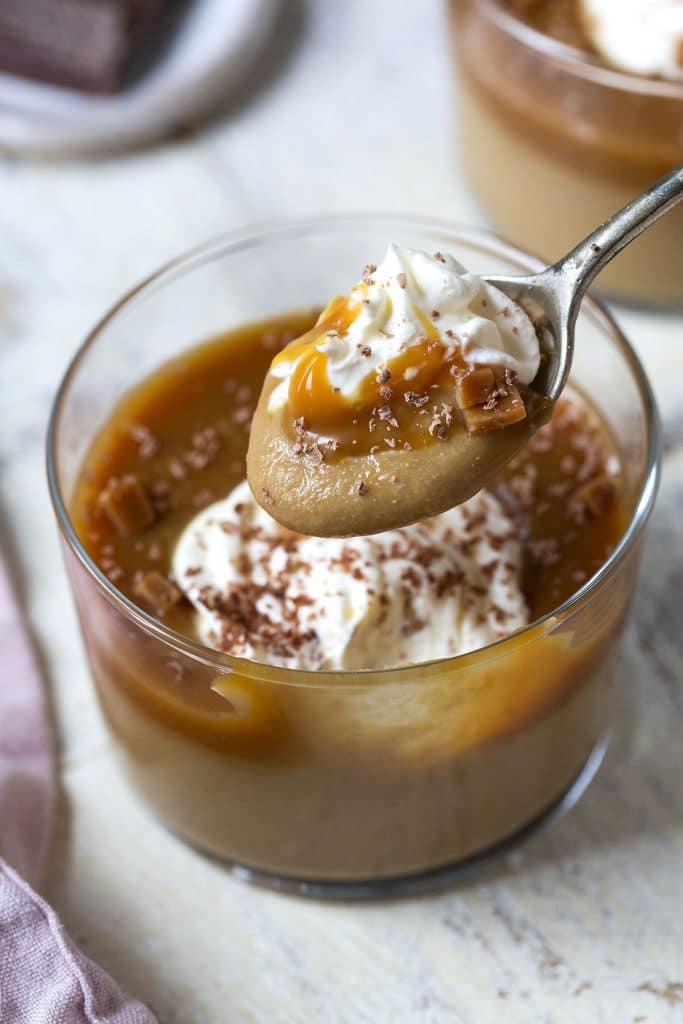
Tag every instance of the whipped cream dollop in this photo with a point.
(643, 37)
(442, 587)
(410, 298)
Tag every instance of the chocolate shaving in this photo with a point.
(544, 552)
(242, 416)
(441, 423)
(147, 444)
(386, 414)
(202, 498)
(415, 399)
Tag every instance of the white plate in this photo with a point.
(215, 44)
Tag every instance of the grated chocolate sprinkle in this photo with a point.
(415, 399)
(147, 444)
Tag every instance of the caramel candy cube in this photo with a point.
(155, 592)
(475, 387)
(591, 499)
(126, 505)
(507, 410)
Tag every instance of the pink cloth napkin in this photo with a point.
(44, 979)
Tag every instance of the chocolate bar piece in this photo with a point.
(91, 45)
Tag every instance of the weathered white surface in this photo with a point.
(587, 924)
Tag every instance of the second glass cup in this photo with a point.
(347, 783)
(554, 143)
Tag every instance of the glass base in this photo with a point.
(421, 882)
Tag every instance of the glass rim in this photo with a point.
(258, 234)
(576, 61)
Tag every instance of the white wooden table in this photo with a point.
(587, 923)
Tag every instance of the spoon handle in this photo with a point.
(589, 257)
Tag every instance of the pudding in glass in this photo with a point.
(163, 509)
(542, 97)
(342, 715)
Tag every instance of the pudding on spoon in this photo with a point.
(405, 395)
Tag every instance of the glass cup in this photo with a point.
(553, 143)
(346, 784)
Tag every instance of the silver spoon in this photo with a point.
(558, 290)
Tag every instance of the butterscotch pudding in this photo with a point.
(568, 109)
(346, 713)
(163, 509)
